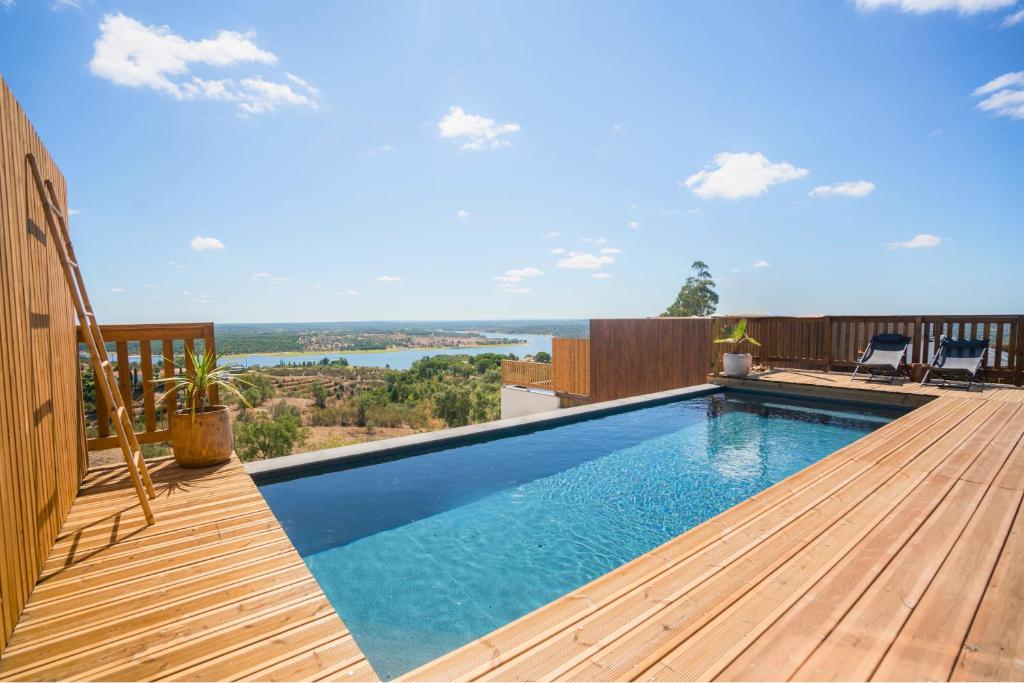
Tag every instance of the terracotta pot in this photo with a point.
(204, 440)
(736, 364)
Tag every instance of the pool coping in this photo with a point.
(316, 460)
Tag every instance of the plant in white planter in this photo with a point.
(737, 364)
(201, 433)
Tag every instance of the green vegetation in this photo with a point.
(697, 296)
(262, 435)
(542, 357)
(735, 335)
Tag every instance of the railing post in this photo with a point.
(828, 343)
(1018, 370)
(210, 347)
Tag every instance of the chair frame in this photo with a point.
(944, 382)
(901, 371)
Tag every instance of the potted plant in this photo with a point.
(201, 433)
(737, 364)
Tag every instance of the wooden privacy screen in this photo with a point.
(640, 356)
(42, 444)
(570, 360)
(146, 352)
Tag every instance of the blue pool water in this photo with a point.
(423, 554)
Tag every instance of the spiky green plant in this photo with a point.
(198, 375)
(736, 335)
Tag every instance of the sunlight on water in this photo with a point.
(424, 554)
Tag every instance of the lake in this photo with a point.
(401, 359)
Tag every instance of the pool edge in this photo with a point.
(315, 460)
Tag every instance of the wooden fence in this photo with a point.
(836, 342)
(526, 373)
(570, 361)
(640, 356)
(139, 369)
(42, 444)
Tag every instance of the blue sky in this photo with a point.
(252, 161)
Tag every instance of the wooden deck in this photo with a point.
(899, 557)
(213, 591)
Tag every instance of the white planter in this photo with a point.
(736, 364)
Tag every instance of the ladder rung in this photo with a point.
(104, 363)
(55, 209)
(71, 263)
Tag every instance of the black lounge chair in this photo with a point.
(959, 360)
(885, 357)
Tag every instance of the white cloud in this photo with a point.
(186, 293)
(515, 290)
(280, 280)
(517, 275)
(1013, 19)
(741, 174)
(117, 290)
(581, 260)
(922, 241)
(380, 149)
(347, 292)
(462, 215)
(317, 286)
(611, 250)
(261, 276)
(200, 243)
(74, 212)
(848, 188)
(306, 85)
(556, 251)
(633, 225)
(389, 278)
(149, 285)
(477, 132)
(601, 276)
(134, 55)
(1005, 95)
(761, 263)
(553, 234)
(594, 240)
(59, 5)
(692, 212)
(7, 4)
(928, 6)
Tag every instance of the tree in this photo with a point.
(267, 437)
(697, 296)
(542, 357)
(319, 395)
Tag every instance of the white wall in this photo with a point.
(516, 402)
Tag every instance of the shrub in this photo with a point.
(267, 437)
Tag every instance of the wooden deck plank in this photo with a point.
(213, 591)
(512, 640)
(754, 592)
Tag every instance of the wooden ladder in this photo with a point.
(105, 380)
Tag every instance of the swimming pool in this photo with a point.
(426, 552)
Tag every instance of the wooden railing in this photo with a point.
(570, 361)
(526, 373)
(139, 369)
(836, 342)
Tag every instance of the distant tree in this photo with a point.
(325, 361)
(542, 357)
(454, 403)
(697, 296)
(319, 395)
(256, 388)
(267, 437)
